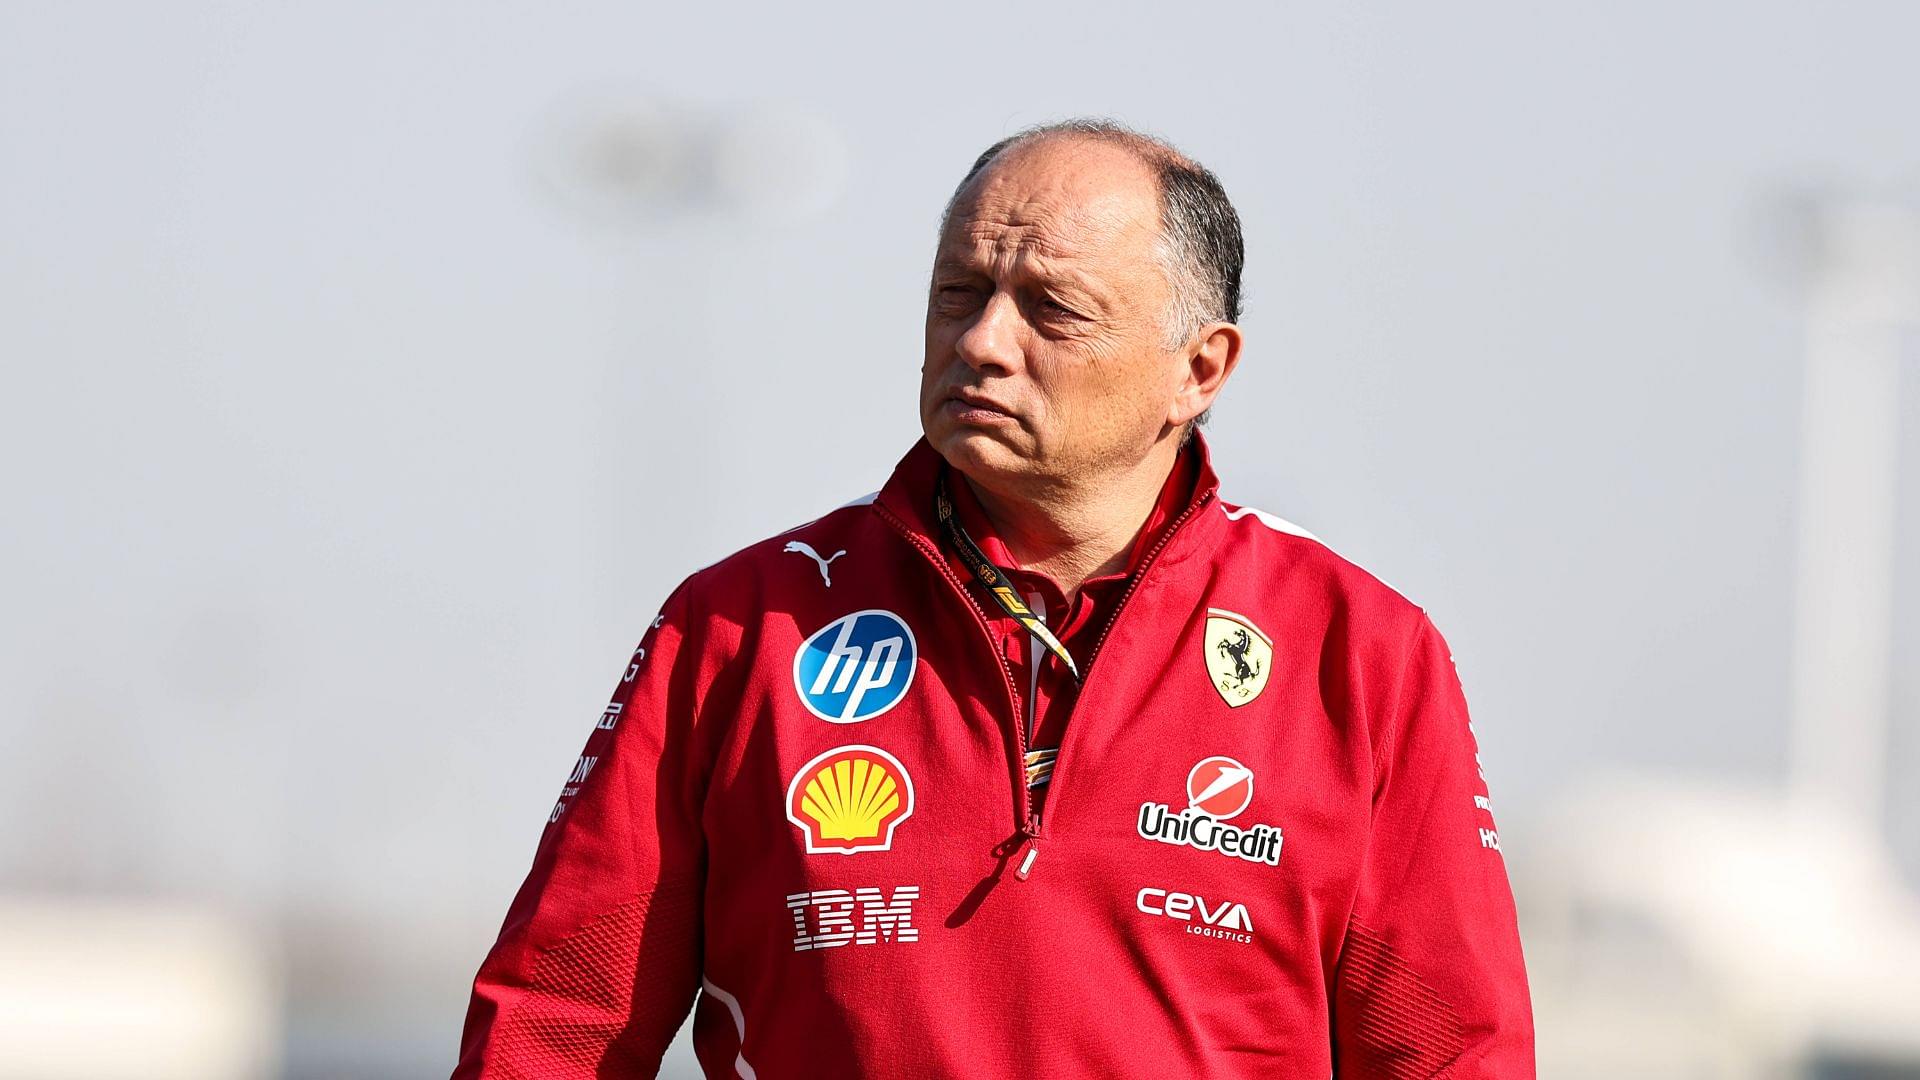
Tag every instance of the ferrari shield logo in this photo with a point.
(1238, 656)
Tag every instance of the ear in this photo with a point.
(1210, 359)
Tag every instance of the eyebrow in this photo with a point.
(1078, 283)
(949, 264)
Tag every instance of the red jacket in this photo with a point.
(1266, 848)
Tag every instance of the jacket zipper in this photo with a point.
(1029, 849)
(1029, 822)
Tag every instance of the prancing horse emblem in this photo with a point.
(1235, 649)
(802, 548)
(1239, 657)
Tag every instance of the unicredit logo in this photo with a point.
(1218, 788)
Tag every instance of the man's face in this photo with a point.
(1043, 351)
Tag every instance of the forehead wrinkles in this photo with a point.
(1048, 234)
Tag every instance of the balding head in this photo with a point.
(1201, 249)
(1050, 351)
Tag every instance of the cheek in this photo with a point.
(1073, 409)
(1113, 396)
(938, 354)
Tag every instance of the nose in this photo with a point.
(992, 342)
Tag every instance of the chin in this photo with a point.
(977, 453)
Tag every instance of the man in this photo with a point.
(1043, 760)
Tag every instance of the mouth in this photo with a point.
(972, 407)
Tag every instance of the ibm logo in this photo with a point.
(861, 917)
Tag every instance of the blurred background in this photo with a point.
(371, 373)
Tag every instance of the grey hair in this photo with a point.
(1200, 248)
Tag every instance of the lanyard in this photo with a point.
(994, 578)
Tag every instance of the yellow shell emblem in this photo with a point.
(1239, 657)
(850, 799)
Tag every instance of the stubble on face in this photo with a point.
(1043, 357)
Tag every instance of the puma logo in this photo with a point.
(802, 548)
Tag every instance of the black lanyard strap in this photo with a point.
(995, 579)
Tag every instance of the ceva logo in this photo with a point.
(855, 667)
(1228, 920)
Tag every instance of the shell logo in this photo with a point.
(850, 799)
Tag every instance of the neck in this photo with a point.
(1079, 528)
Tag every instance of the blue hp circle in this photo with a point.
(855, 667)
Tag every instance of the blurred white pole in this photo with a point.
(1864, 304)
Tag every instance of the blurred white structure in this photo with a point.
(1863, 310)
(103, 991)
(1677, 930)
(1684, 930)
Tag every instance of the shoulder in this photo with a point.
(1287, 553)
(804, 561)
(1381, 647)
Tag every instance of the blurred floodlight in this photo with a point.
(1866, 258)
(780, 163)
(629, 158)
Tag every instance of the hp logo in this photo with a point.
(855, 667)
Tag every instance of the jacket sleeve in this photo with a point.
(1430, 981)
(599, 958)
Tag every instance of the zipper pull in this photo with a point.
(1029, 849)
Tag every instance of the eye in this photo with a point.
(955, 299)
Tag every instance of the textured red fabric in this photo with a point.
(1289, 869)
(1395, 1026)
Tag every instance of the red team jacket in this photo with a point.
(1266, 847)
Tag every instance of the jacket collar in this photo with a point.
(907, 497)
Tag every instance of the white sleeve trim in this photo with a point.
(1282, 525)
(1272, 521)
(732, 1003)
